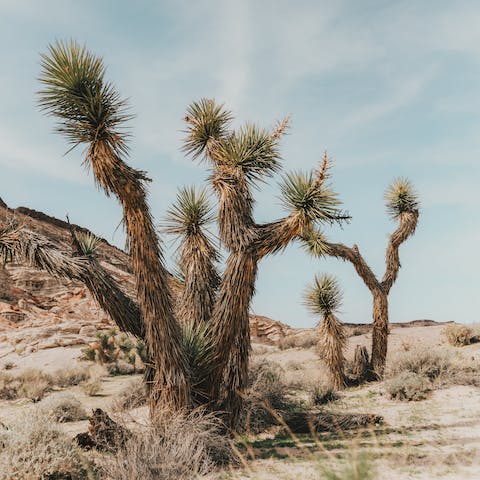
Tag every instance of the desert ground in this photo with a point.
(436, 437)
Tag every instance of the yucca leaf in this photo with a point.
(401, 197)
(189, 213)
(301, 193)
(88, 108)
(207, 123)
(253, 150)
(323, 296)
(87, 242)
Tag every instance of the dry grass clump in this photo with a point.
(120, 367)
(63, 408)
(179, 446)
(93, 385)
(359, 466)
(427, 362)
(70, 376)
(32, 384)
(134, 395)
(305, 340)
(34, 448)
(321, 394)
(267, 393)
(460, 335)
(409, 386)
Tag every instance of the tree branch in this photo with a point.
(40, 253)
(406, 228)
(353, 255)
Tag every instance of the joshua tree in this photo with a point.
(403, 206)
(239, 161)
(324, 298)
(197, 255)
(208, 310)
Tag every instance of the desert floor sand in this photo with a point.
(435, 438)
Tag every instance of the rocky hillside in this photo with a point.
(39, 312)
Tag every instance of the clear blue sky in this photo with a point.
(389, 88)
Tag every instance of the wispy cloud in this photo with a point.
(17, 153)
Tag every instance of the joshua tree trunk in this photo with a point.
(331, 345)
(90, 111)
(380, 332)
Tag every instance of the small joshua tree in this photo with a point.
(324, 298)
(403, 206)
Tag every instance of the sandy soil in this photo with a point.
(435, 438)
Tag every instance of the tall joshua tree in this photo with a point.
(403, 206)
(324, 298)
(239, 160)
(90, 111)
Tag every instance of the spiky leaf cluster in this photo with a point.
(251, 149)
(190, 212)
(207, 123)
(200, 353)
(324, 296)
(89, 109)
(314, 242)
(401, 197)
(87, 242)
(301, 193)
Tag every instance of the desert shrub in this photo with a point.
(9, 386)
(305, 340)
(93, 384)
(427, 362)
(267, 393)
(63, 408)
(409, 386)
(287, 342)
(120, 368)
(70, 376)
(356, 331)
(32, 384)
(92, 387)
(321, 394)
(134, 395)
(34, 448)
(116, 350)
(458, 335)
(179, 447)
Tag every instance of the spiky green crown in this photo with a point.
(401, 197)
(314, 242)
(190, 212)
(301, 193)
(323, 296)
(87, 107)
(207, 123)
(251, 150)
(87, 242)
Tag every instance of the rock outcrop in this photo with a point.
(39, 312)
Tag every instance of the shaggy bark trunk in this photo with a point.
(380, 332)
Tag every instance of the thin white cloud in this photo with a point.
(402, 95)
(20, 155)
